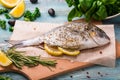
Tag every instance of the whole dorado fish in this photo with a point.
(71, 36)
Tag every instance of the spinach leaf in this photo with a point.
(75, 3)
(5, 78)
(97, 9)
(69, 2)
(99, 3)
(101, 13)
(85, 4)
(113, 8)
(90, 12)
(106, 2)
(74, 13)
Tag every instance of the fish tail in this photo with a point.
(15, 43)
(25, 43)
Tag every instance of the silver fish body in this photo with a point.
(72, 35)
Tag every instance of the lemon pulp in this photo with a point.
(18, 11)
(4, 60)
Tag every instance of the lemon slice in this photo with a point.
(18, 10)
(52, 50)
(4, 60)
(9, 3)
(69, 51)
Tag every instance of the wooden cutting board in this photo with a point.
(63, 66)
(41, 72)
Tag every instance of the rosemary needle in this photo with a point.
(20, 60)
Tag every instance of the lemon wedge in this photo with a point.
(52, 50)
(69, 51)
(4, 60)
(9, 3)
(0, 2)
(18, 11)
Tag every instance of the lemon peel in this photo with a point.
(18, 11)
(52, 50)
(69, 51)
(9, 3)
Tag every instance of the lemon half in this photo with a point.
(52, 50)
(18, 11)
(9, 3)
(4, 60)
(69, 51)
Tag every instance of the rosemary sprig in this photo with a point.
(20, 60)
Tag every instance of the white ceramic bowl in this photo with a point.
(113, 16)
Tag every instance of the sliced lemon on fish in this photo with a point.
(4, 60)
(9, 3)
(52, 50)
(69, 52)
(18, 11)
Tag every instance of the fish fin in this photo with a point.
(15, 43)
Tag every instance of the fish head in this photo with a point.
(98, 35)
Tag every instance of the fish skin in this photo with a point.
(72, 35)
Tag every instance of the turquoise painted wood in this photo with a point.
(61, 9)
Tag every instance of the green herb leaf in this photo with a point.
(11, 28)
(5, 78)
(3, 24)
(29, 16)
(101, 13)
(106, 2)
(35, 14)
(69, 2)
(90, 12)
(85, 4)
(20, 59)
(3, 10)
(97, 9)
(7, 16)
(74, 13)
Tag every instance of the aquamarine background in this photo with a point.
(62, 10)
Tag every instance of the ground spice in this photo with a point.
(100, 52)
(106, 74)
(83, 69)
(87, 72)
(101, 75)
(98, 72)
(88, 76)
(71, 76)
(34, 28)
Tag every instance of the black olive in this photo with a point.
(33, 1)
(11, 22)
(51, 12)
